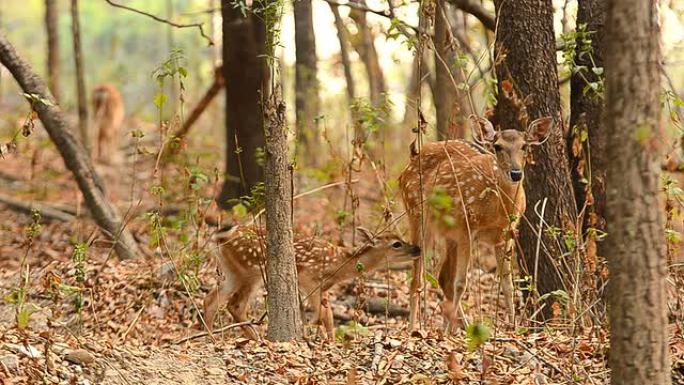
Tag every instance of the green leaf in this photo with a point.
(597, 70)
(477, 334)
(159, 100)
(431, 280)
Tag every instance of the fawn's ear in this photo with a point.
(366, 235)
(538, 131)
(483, 130)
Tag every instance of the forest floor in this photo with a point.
(103, 321)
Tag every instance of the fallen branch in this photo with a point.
(219, 330)
(74, 155)
(202, 105)
(45, 210)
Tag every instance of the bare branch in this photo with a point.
(159, 19)
(475, 9)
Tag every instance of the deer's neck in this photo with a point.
(344, 267)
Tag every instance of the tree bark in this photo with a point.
(284, 319)
(525, 58)
(636, 291)
(585, 112)
(52, 30)
(243, 64)
(80, 78)
(75, 157)
(306, 81)
(586, 109)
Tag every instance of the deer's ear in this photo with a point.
(483, 129)
(366, 235)
(539, 130)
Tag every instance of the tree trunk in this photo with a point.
(585, 112)
(80, 78)
(586, 109)
(243, 67)
(448, 99)
(75, 157)
(52, 29)
(636, 257)
(525, 57)
(306, 81)
(364, 44)
(343, 37)
(284, 319)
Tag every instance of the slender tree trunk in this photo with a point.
(364, 44)
(80, 78)
(528, 89)
(52, 29)
(636, 257)
(448, 99)
(284, 319)
(75, 157)
(306, 81)
(343, 37)
(243, 67)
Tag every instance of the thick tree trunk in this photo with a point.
(588, 156)
(525, 57)
(243, 66)
(585, 112)
(75, 157)
(364, 44)
(636, 257)
(52, 29)
(80, 78)
(306, 81)
(284, 319)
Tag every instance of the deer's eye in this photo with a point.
(497, 147)
(525, 147)
(396, 245)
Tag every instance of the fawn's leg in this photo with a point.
(326, 318)
(215, 299)
(503, 260)
(238, 305)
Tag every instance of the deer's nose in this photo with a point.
(516, 175)
(415, 250)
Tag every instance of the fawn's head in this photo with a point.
(511, 146)
(385, 245)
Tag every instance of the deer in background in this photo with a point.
(320, 265)
(482, 184)
(108, 116)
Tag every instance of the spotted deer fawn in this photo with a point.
(482, 182)
(108, 115)
(320, 265)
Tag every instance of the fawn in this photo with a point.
(483, 184)
(108, 115)
(320, 265)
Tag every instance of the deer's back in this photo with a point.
(457, 176)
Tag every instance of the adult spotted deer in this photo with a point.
(320, 265)
(470, 192)
(108, 116)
